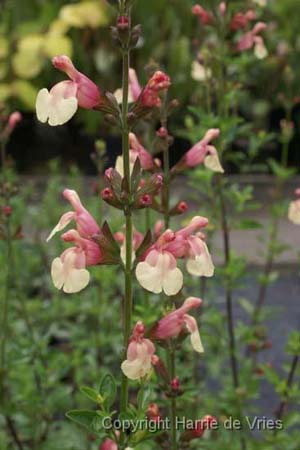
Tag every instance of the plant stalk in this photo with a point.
(289, 382)
(128, 300)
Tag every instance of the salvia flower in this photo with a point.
(158, 271)
(59, 105)
(108, 444)
(202, 153)
(86, 224)
(294, 209)
(178, 321)
(140, 352)
(69, 270)
(204, 16)
(252, 39)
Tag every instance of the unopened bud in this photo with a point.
(107, 194)
(162, 132)
(175, 384)
(146, 200)
(123, 23)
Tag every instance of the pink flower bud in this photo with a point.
(162, 132)
(297, 192)
(108, 444)
(175, 384)
(107, 194)
(159, 81)
(146, 200)
(123, 23)
(182, 207)
(13, 121)
(222, 8)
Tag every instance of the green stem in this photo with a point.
(166, 209)
(128, 300)
(173, 406)
(4, 323)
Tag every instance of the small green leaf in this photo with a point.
(108, 389)
(143, 398)
(92, 394)
(83, 417)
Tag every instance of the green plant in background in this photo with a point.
(57, 345)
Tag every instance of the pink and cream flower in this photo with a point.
(158, 271)
(252, 39)
(59, 105)
(205, 153)
(69, 270)
(140, 353)
(179, 321)
(202, 153)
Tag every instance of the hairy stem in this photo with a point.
(166, 209)
(128, 300)
(228, 288)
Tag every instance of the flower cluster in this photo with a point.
(239, 28)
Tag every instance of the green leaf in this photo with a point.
(249, 224)
(108, 389)
(92, 394)
(83, 417)
(143, 397)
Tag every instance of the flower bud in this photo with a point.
(175, 384)
(162, 133)
(107, 194)
(123, 23)
(7, 210)
(146, 200)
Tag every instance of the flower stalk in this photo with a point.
(128, 300)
